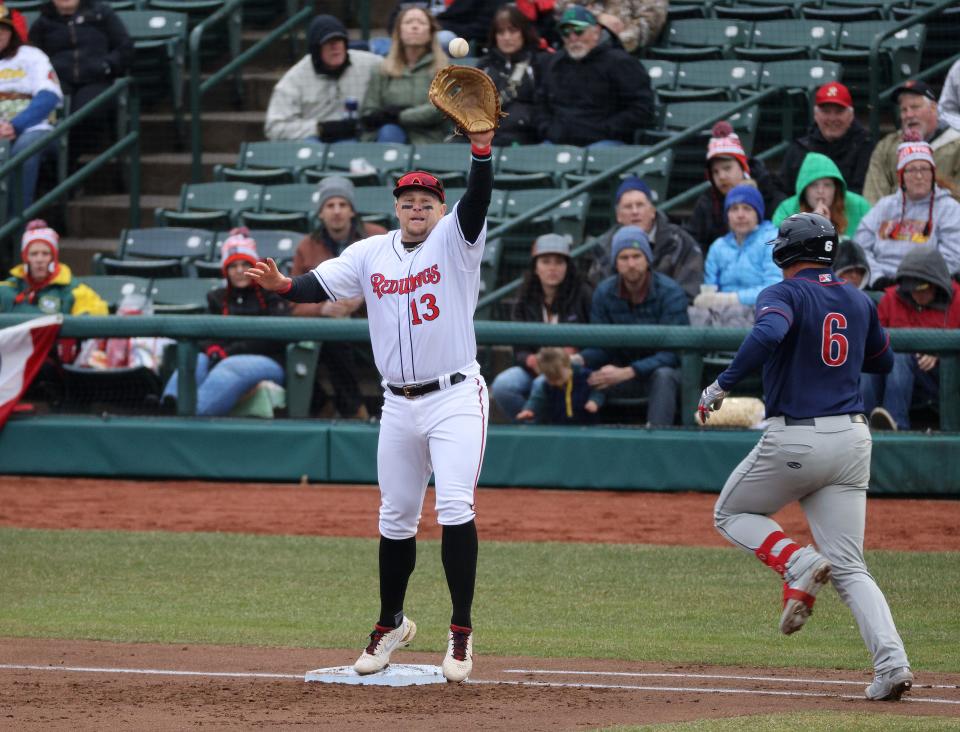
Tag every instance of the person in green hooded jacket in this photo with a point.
(821, 189)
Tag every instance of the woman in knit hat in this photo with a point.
(227, 370)
(727, 166)
(921, 212)
(739, 264)
(821, 189)
(42, 283)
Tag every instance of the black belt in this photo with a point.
(811, 421)
(414, 390)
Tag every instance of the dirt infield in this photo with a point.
(92, 685)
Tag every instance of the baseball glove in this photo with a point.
(468, 97)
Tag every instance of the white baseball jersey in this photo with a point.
(420, 304)
(22, 77)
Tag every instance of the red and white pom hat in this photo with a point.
(725, 143)
(913, 148)
(239, 246)
(38, 231)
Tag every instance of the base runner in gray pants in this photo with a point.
(813, 335)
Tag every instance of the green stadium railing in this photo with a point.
(875, 59)
(691, 343)
(231, 12)
(123, 93)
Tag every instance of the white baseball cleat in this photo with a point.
(891, 685)
(806, 573)
(458, 663)
(383, 642)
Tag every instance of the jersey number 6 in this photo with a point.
(430, 312)
(834, 345)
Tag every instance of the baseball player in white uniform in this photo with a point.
(420, 284)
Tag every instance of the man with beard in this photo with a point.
(317, 99)
(592, 91)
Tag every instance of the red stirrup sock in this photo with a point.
(775, 550)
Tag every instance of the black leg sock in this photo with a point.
(398, 557)
(458, 550)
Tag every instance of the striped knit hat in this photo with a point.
(914, 148)
(38, 231)
(239, 246)
(725, 143)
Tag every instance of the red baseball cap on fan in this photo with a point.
(834, 93)
(422, 180)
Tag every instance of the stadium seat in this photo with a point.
(686, 11)
(278, 244)
(146, 268)
(112, 288)
(365, 163)
(754, 13)
(941, 40)
(159, 45)
(567, 218)
(843, 15)
(536, 166)
(662, 73)
(801, 78)
(183, 295)
(273, 162)
(450, 163)
(899, 55)
(24, 5)
(378, 202)
(296, 202)
(786, 39)
(212, 205)
(723, 79)
(165, 243)
(695, 40)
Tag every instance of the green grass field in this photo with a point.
(834, 721)
(641, 603)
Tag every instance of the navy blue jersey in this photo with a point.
(814, 334)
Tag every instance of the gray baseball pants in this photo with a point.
(826, 467)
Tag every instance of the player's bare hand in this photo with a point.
(710, 401)
(610, 375)
(267, 275)
(481, 139)
(524, 415)
(926, 361)
(590, 406)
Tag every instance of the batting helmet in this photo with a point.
(805, 237)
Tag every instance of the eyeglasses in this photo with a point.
(569, 30)
(923, 172)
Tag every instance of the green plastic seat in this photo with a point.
(166, 242)
(777, 40)
(183, 295)
(754, 13)
(941, 40)
(291, 155)
(351, 159)
(257, 176)
(729, 76)
(450, 163)
(231, 198)
(662, 73)
(145, 268)
(801, 78)
(112, 288)
(692, 40)
(849, 14)
(536, 166)
(278, 244)
(290, 206)
(377, 201)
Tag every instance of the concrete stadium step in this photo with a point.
(77, 253)
(104, 217)
(161, 173)
(222, 131)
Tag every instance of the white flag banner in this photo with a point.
(22, 351)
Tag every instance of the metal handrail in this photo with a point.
(589, 183)
(124, 88)
(874, 58)
(232, 10)
(927, 73)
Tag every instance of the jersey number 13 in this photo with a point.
(834, 345)
(428, 309)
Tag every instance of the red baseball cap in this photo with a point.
(834, 93)
(420, 179)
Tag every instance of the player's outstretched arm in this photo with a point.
(472, 209)
(268, 276)
(305, 288)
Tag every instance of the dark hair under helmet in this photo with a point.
(805, 237)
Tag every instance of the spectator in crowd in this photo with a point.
(851, 263)
(19, 23)
(836, 133)
(949, 105)
(636, 23)
(513, 62)
(29, 92)
(89, 48)
(919, 114)
(319, 96)
(923, 296)
(592, 92)
(727, 166)
(42, 284)
(636, 295)
(738, 264)
(552, 292)
(226, 371)
(542, 13)
(821, 189)
(921, 212)
(675, 253)
(561, 394)
(469, 19)
(396, 107)
(340, 226)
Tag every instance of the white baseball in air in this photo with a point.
(459, 47)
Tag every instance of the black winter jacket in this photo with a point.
(707, 222)
(248, 301)
(604, 96)
(519, 102)
(88, 47)
(574, 308)
(851, 153)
